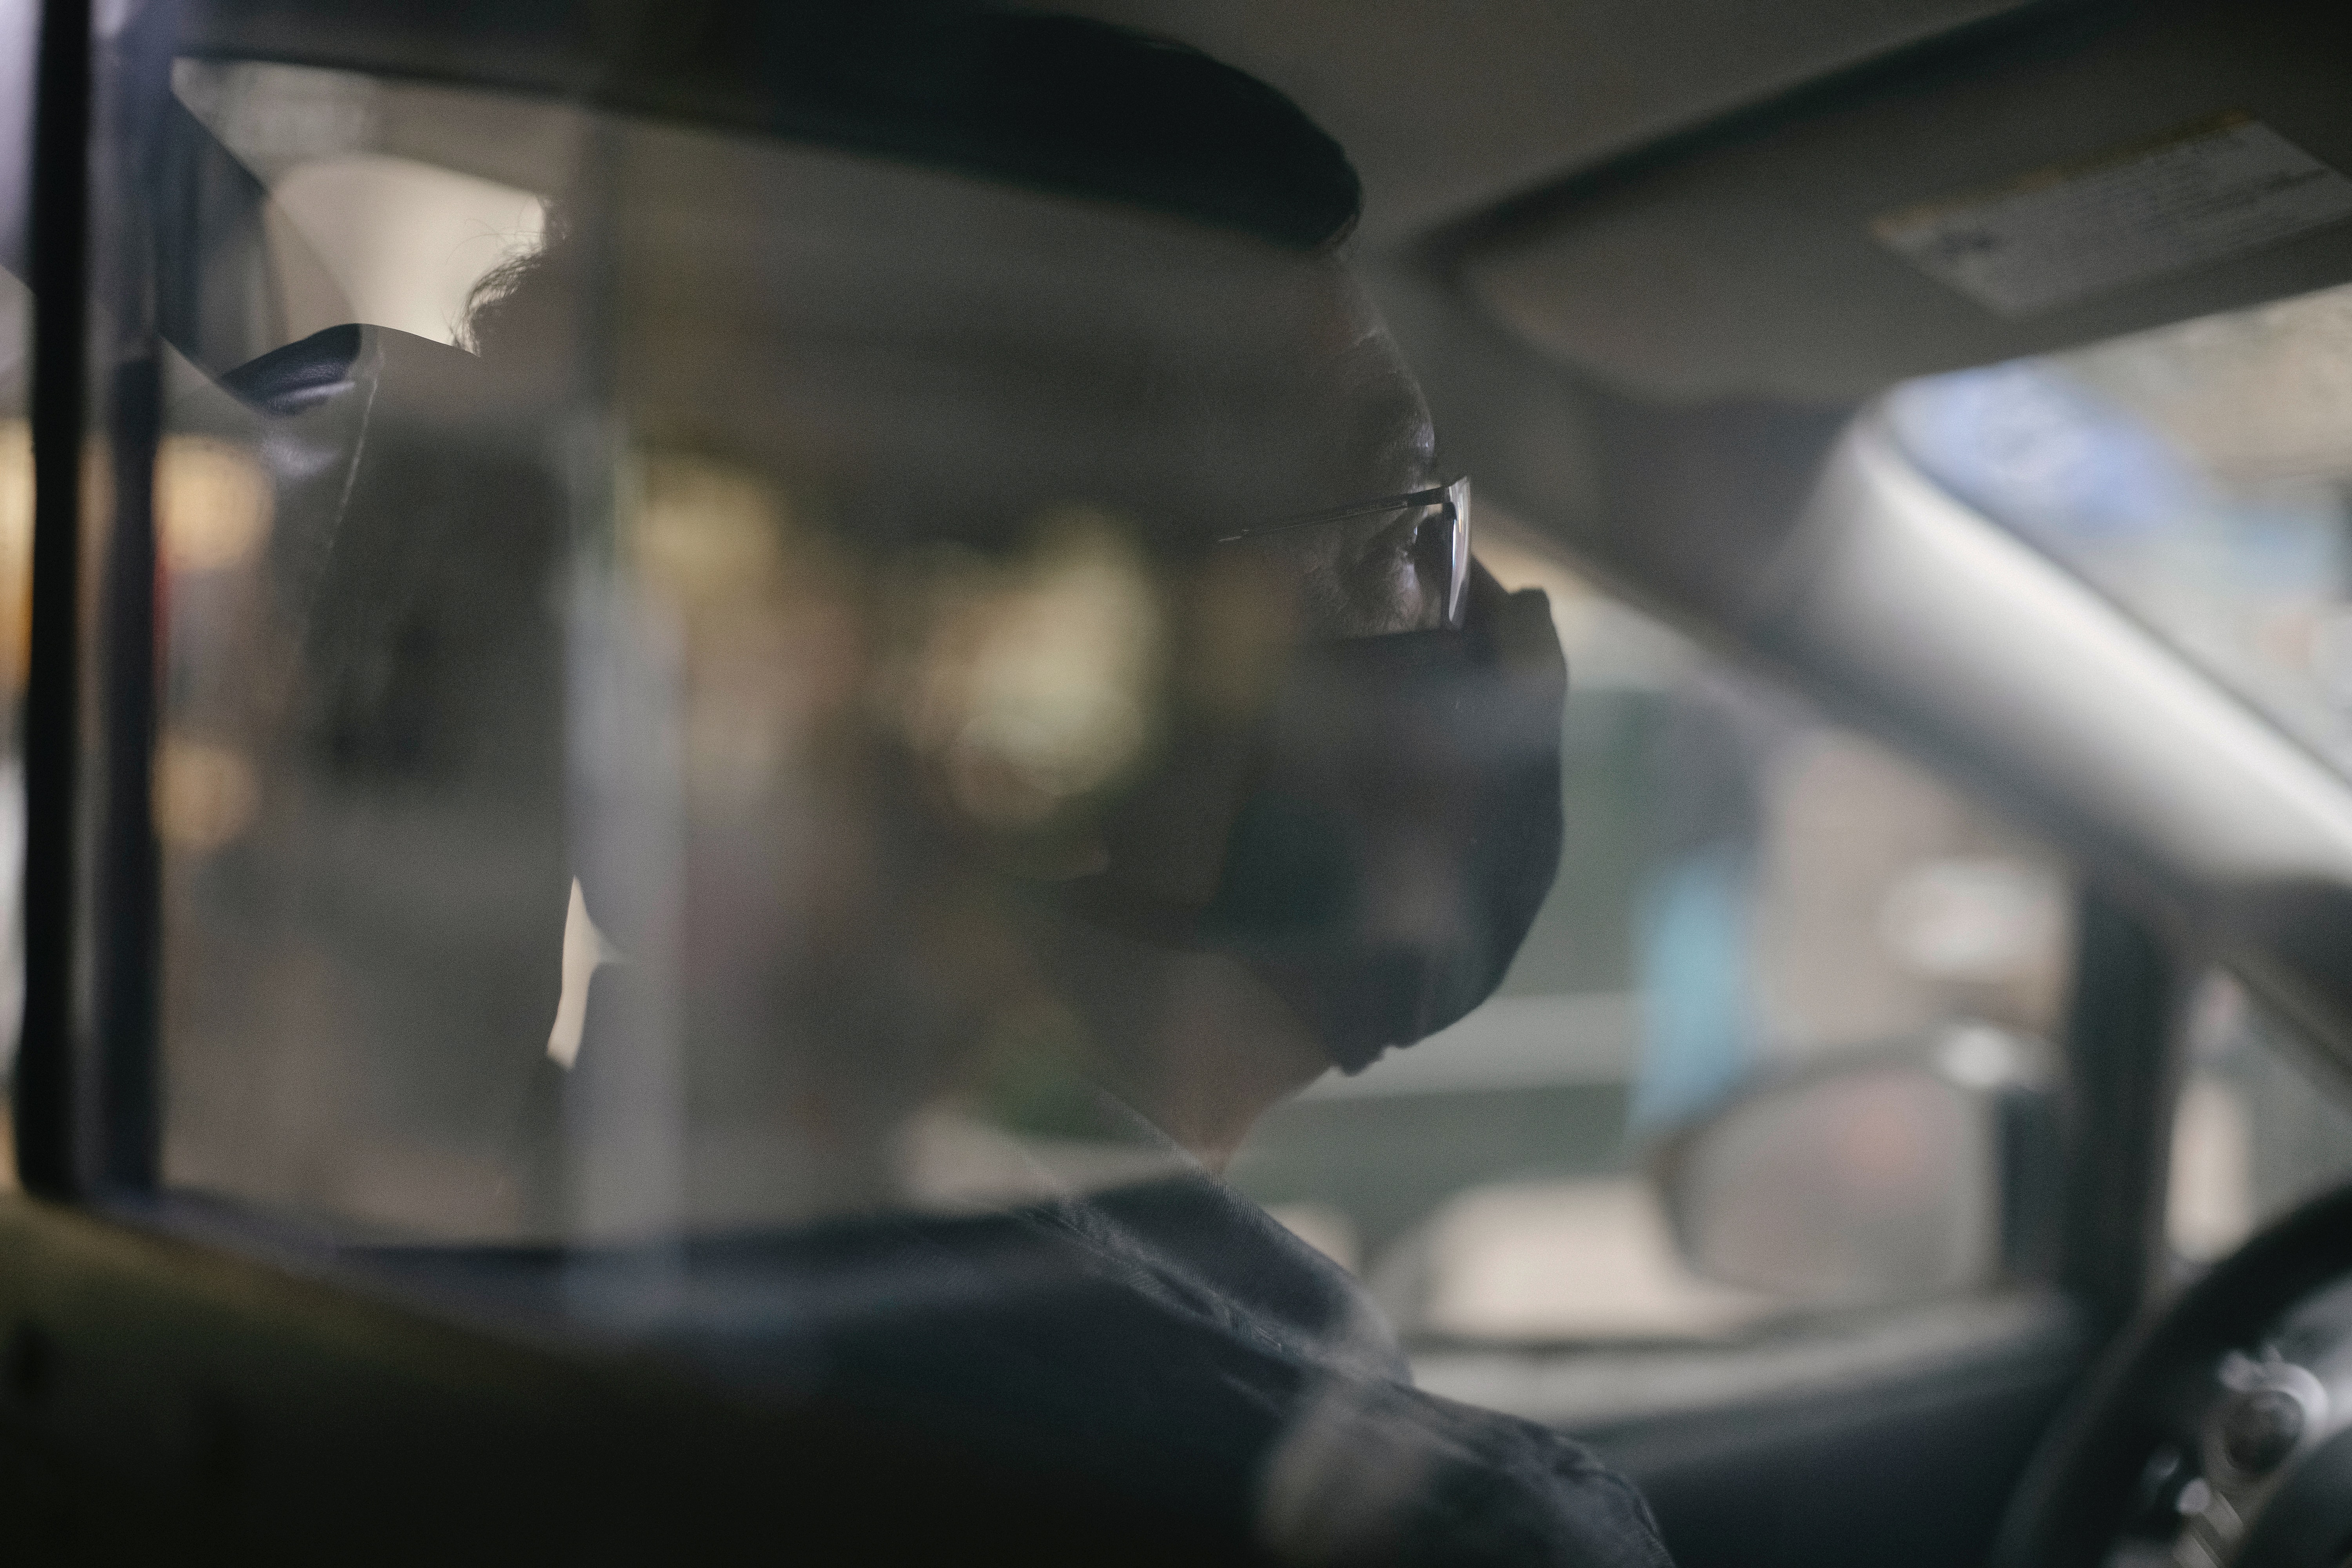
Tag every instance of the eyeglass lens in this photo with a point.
(1375, 574)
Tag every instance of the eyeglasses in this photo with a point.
(1394, 563)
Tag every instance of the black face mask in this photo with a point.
(1402, 826)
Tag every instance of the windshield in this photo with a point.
(2198, 474)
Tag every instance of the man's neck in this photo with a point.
(1192, 1041)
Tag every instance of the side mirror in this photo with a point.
(1899, 1176)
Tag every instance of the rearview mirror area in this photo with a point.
(1893, 1178)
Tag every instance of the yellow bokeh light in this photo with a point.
(212, 504)
(16, 552)
(705, 532)
(206, 795)
(212, 510)
(1040, 679)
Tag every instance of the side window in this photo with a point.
(2258, 1128)
(1780, 962)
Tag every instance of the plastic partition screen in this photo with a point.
(696, 667)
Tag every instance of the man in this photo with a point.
(995, 626)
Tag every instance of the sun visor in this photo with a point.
(2099, 172)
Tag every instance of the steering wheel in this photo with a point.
(2239, 1450)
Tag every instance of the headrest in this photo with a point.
(392, 664)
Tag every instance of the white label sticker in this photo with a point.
(2215, 189)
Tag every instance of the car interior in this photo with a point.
(614, 724)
